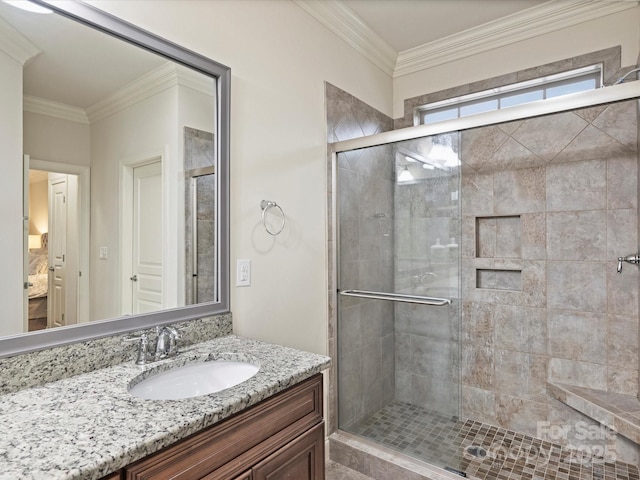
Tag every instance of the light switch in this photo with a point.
(104, 253)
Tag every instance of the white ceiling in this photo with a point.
(77, 66)
(405, 24)
(80, 67)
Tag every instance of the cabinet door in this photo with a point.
(302, 459)
(113, 476)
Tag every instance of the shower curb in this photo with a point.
(380, 463)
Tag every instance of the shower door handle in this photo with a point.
(397, 297)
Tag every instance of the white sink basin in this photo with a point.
(194, 380)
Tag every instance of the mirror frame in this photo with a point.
(102, 21)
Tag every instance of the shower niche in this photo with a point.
(498, 239)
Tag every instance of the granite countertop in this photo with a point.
(87, 426)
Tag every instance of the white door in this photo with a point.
(57, 250)
(146, 275)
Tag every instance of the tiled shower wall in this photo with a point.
(366, 327)
(548, 204)
(199, 152)
(427, 214)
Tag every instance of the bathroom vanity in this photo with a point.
(89, 426)
(282, 436)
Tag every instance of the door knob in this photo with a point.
(51, 269)
(134, 278)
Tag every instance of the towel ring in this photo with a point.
(265, 205)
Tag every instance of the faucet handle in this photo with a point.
(143, 347)
(166, 345)
(174, 335)
(633, 258)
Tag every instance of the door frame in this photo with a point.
(84, 218)
(127, 165)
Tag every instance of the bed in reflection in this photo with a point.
(38, 285)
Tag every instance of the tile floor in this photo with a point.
(445, 441)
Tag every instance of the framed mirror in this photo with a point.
(116, 161)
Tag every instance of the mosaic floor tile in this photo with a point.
(482, 451)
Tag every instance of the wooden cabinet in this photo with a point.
(244, 476)
(113, 476)
(302, 459)
(280, 438)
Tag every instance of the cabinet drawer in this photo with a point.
(240, 441)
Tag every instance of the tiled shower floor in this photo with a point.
(444, 441)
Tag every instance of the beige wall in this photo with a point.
(618, 29)
(133, 135)
(279, 58)
(56, 140)
(11, 239)
(38, 207)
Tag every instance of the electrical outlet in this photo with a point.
(243, 273)
(104, 253)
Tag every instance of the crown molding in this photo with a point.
(545, 18)
(16, 45)
(344, 22)
(146, 86)
(162, 78)
(54, 109)
(190, 78)
(166, 76)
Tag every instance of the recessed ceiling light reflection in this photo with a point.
(28, 6)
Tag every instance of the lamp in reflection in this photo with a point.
(418, 159)
(35, 241)
(405, 175)
(444, 155)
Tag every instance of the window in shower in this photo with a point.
(565, 83)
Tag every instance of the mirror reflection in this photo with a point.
(119, 182)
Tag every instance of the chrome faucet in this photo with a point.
(166, 345)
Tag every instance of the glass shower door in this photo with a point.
(398, 308)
